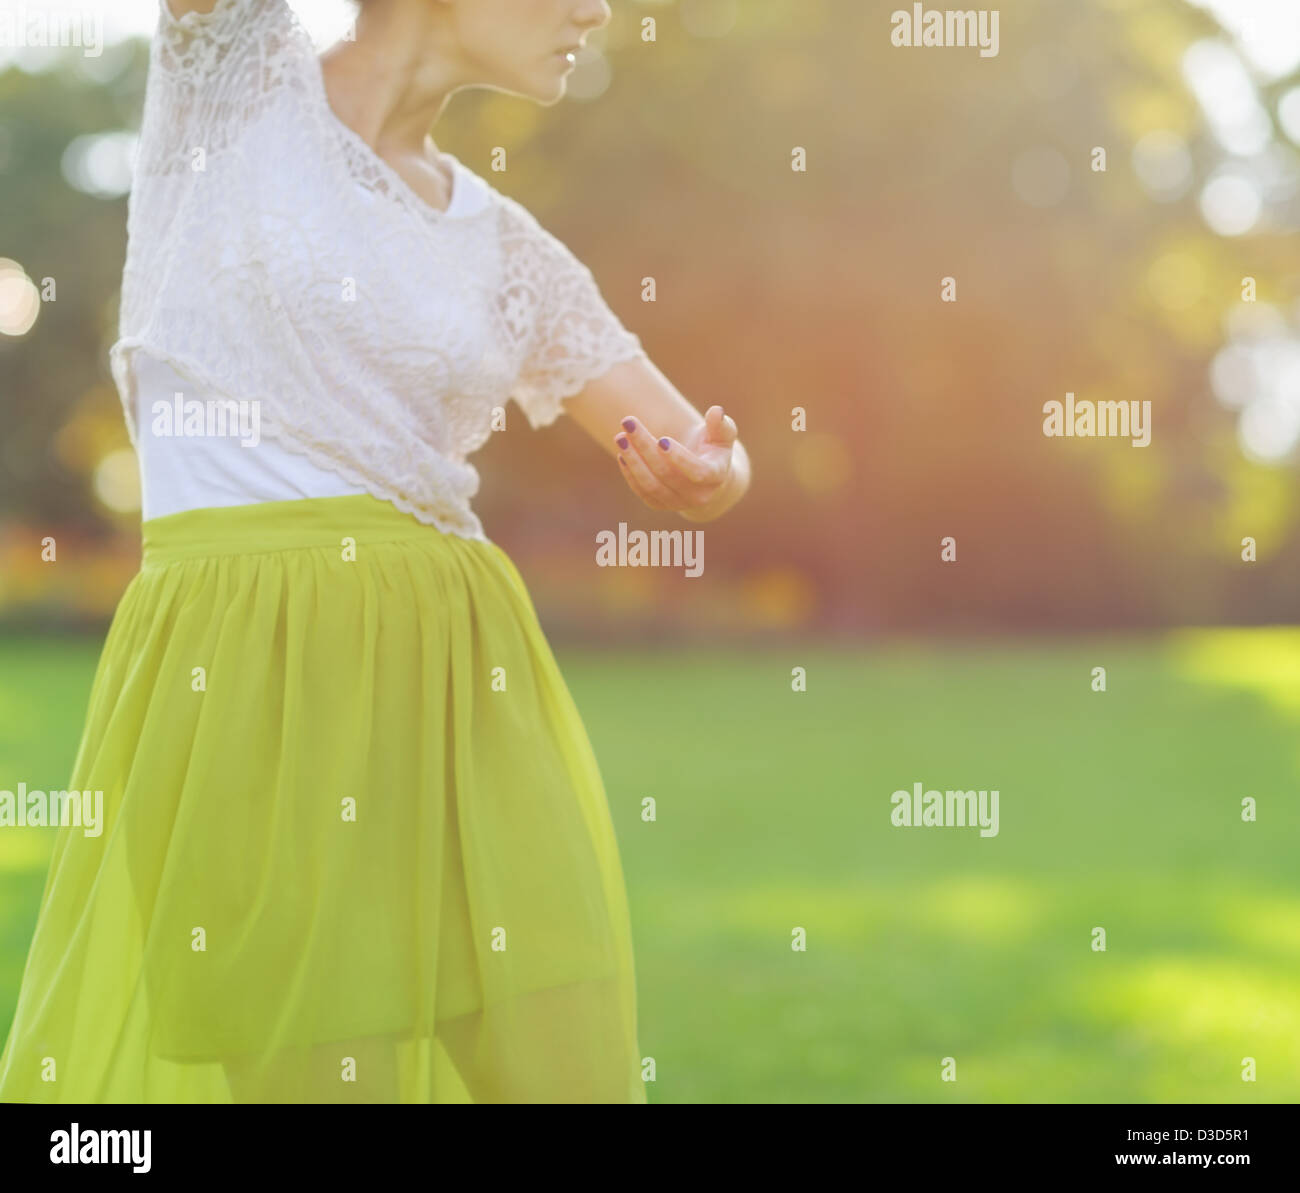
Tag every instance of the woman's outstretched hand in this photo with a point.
(699, 479)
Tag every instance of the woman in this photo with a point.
(355, 844)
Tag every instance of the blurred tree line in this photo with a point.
(779, 289)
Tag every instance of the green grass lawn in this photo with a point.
(1119, 810)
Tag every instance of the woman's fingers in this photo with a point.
(719, 427)
(637, 486)
(643, 448)
(665, 473)
(693, 468)
(644, 482)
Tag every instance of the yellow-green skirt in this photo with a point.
(355, 843)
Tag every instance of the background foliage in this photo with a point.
(819, 289)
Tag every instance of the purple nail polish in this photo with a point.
(664, 444)
(622, 442)
(629, 424)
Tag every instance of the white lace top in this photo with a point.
(274, 258)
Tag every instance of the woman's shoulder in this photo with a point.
(482, 190)
(519, 226)
(476, 196)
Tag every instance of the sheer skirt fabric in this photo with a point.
(355, 843)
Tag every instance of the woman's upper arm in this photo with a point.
(637, 388)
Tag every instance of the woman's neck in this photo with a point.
(391, 83)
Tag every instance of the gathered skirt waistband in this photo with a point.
(312, 522)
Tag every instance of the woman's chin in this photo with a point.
(550, 92)
(539, 88)
(554, 82)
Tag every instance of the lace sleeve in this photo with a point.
(571, 336)
(198, 44)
